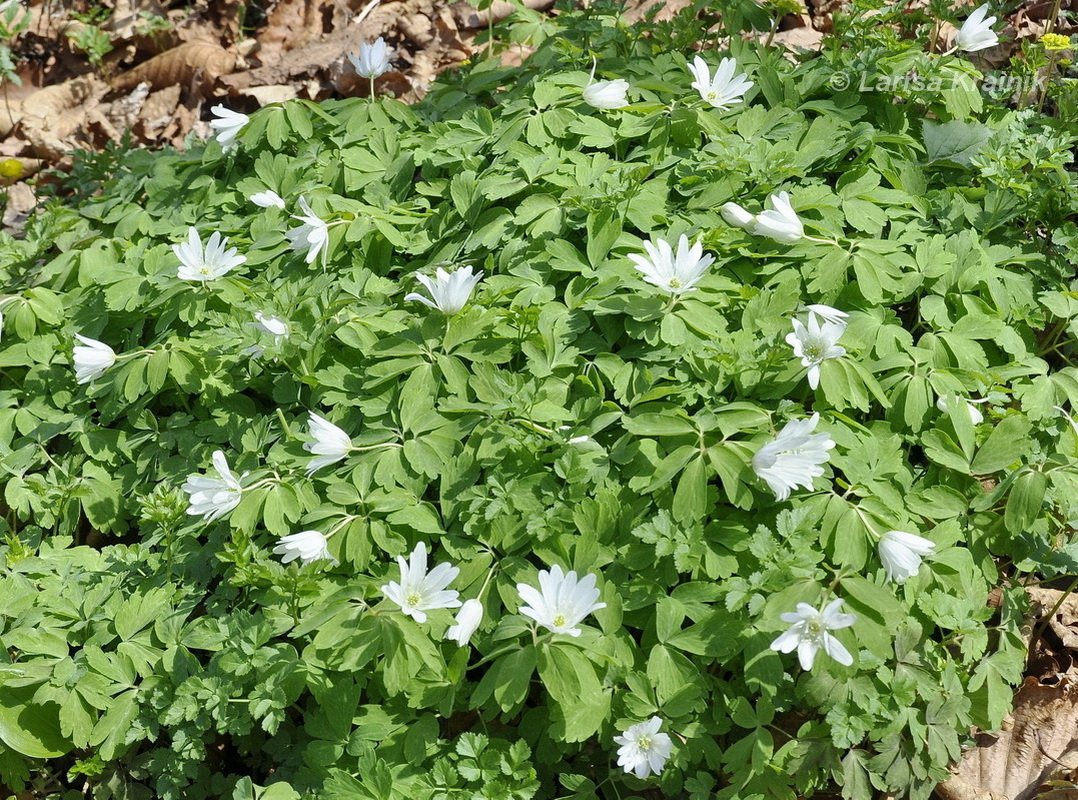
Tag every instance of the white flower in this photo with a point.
(468, 619)
(976, 32)
(643, 749)
(975, 415)
(227, 125)
(307, 546)
(449, 291)
(606, 94)
(269, 324)
(418, 591)
(212, 497)
(780, 222)
(92, 359)
(373, 59)
(330, 444)
(901, 554)
(738, 217)
(674, 274)
(313, 234)
(197, 264)
(815, 344)
(561, 601)
(809, 633)
(827, 313)
(725, 89)
(793, 459)
(267, 199)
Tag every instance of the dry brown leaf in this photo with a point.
(291, 25)
(1040, 737)
(53, 115)
(265, 95)
(467, 16)
(1064, 623)
(668, 10)
(181, 65)
(20, 202)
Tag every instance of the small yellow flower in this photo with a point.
(1054, 42)
(11, 168)
(1064, 62)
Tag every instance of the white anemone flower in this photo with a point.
(330, 444)
(210, 497)
(738, 217)
(466, 623)
(975, 415)
(561, 602)
(228, 124)
(794, 457)
(373, 59)
(449, 291)
(606, 95)
(307, 546)
(815, 343)
(198, 264)
(673, 273)
(810, 633)
(419, 591)
(901, 554)
(269, 324)
(976, 32)
(91, 359)
(828, 313)
(780, 222)
(725, 88)
(267, 199)
(312, 235)
(643, 749)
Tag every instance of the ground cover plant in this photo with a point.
(636, 422)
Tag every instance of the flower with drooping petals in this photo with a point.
(213, 497)
(725, 88)
(330, 444)
(92, 359)
(976, 32)
(373, 59)
(815, 343)
(810, 633)
(901, 554)
(449, 291)
(419, 591)
(562, 601)
(780, 222)
(794, 457)
(307, 546)
(228, 124)
(267, 199)
(828, 313)
(738, 217)
(466, 623)
(606, 95)
(198, 264)
(975, 415)
(643, 749)
(674, 273)
(312, 235)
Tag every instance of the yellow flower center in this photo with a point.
(559, 621)
(412, 599)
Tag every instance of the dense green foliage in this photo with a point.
(156, 655)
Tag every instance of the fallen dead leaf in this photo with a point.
(181, 65)
(1039, 739)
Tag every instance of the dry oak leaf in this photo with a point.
(1039, 738)
(179, 66)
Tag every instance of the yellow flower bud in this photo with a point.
(11, 169)
(1054, 42)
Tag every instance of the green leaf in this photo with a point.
(1008, 443)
